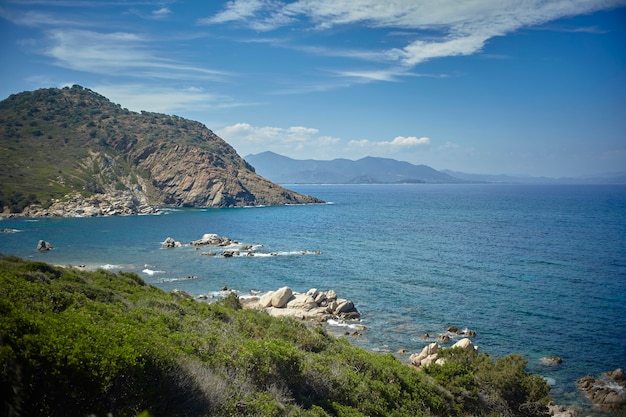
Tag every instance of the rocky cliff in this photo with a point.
(58, 145)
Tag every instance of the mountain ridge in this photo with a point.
(367, 170)
(62, 143)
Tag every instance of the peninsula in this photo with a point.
(71, 151)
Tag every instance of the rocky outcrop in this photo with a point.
(607, 392)
(43, 246)
(429, 353)
(556, 410)
(171, 243)
(212, 239)
(312, 305)
(550, 360)
(464, 332)
(192, 177)
(75, 205)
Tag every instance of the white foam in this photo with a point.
(152, 272)
(177, 279)
(333, 322)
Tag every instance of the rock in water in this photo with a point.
(607, 392)
(43, 246)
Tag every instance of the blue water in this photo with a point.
(536, 270)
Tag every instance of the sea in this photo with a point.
(538, 270)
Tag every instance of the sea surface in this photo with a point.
(536, 270)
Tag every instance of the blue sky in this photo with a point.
(523, 87)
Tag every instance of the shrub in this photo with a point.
(75, 342)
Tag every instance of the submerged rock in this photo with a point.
(550, 360)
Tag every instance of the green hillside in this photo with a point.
(77, 343)
(59, 141)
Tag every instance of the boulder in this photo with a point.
(313, 292)
(467, 332)
(320, 297)
(430, 353)
(301, 301)
(170, 243)
(427, 356)
(266, 299)
(465, 343)
(344, 306)
(556, 410)
(444, 338)
(213, 240)
(281, 296)
(43, 246)
(550, 360)
(331, 295)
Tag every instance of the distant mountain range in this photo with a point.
(369, 170)
(372, 170)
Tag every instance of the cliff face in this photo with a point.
(189, 176)
(59, 142)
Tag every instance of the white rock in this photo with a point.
(266, 299)
(281, 296)
(465, 343)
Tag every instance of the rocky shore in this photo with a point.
(314, 305)
(120, 203)
(608, 391)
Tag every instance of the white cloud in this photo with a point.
(161, 13)
(399, 142)
(441, 28)
(409, 141)
(289, 141)
(119, 53)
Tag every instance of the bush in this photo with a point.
(77, 343)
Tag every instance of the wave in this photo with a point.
(110, 266)
(337, 323)
(190, 277)
(152, 271)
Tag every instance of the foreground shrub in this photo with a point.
(77, 343)
(501, 387)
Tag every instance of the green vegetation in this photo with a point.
(75, 342)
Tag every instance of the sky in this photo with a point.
(518, 87)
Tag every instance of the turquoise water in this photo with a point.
(537, 270)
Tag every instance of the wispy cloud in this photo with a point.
(442, 29)
(165, 99)
(119, 53)
(36, 19)
(161, 13)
